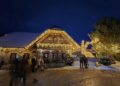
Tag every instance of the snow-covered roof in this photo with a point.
(17, 39)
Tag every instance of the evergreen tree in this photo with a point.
(106, 36)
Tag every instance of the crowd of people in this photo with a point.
(20, 67)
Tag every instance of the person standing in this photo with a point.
(1, 62)
(34, 61)
(81, 61)
(40, 64)
(85, 62)
(14, 69)
(23, 68)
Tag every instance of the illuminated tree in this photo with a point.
(106, 36)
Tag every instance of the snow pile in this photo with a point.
(102, 67)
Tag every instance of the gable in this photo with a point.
(53, 37)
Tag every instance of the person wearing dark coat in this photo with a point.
(85, 62)
(34, 62)
(81, 61)
(23, 67)
(1, 62)
(18, 70)
(14, 69)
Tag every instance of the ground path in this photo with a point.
(65, 77)
(71, 76)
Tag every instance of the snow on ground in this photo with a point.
(102, 67)
(91, 62)
(116, 66)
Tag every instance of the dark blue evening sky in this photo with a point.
(77, 17)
